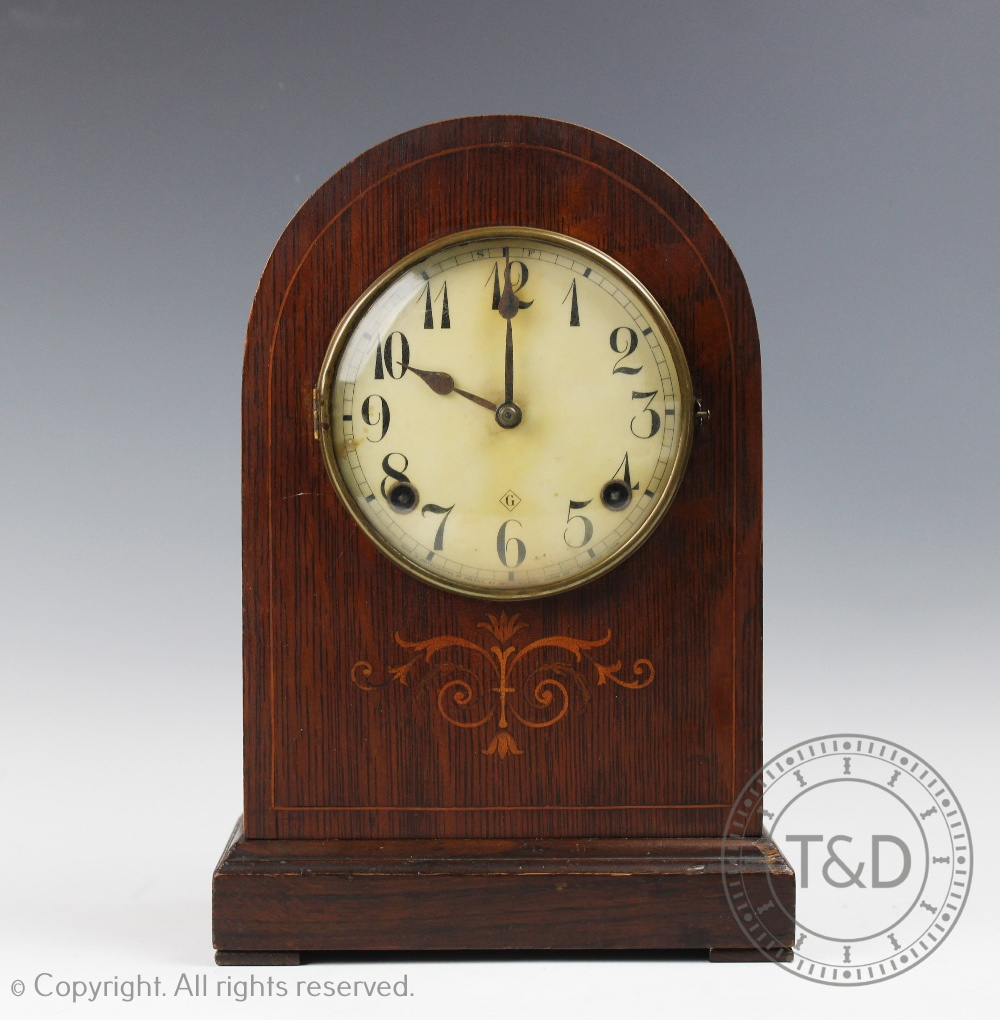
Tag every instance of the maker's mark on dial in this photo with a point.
(510, 499)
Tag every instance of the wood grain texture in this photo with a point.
(324, 760)
(383, 895)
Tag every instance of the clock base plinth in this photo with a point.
(286, 896)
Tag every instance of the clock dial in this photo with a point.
(506, 414)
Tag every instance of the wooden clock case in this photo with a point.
(383, 812)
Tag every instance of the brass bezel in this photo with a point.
(685, 413)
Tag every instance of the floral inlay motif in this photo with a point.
(510, 686)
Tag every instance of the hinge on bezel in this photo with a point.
(317, 414)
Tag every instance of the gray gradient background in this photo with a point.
(151, 154)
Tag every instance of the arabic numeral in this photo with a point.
(429, 299)
(631, 345)
(432, 508)
(574, 306)
(504, 546)
(398, 474)
(395, 344)
(521, 278)
(588, 526)
(626, 475)
(373, 417)
(654, 416)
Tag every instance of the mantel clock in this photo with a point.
(502, 559)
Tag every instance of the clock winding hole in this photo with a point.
(403, 497)
(616, 495)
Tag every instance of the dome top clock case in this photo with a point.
(502, 559)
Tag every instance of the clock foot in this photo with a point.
(246, 958)
(749, 954)
(279, 897)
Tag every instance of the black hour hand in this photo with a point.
(443, 384)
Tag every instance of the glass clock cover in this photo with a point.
(506, 413)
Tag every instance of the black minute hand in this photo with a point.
(509, 302)
(508, 414)
(508, 367)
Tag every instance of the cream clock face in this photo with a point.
(507, 414)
